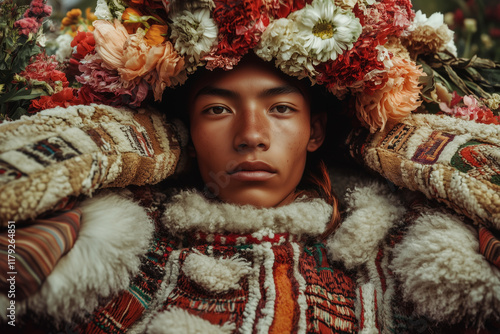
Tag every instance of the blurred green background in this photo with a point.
(476, 22)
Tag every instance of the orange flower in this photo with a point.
(397, 99)
(90, 15)
(75, 13)
(156, 34)
(132, 19)
(72, 17)
(66, 21)
(110, 40)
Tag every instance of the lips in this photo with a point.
(252, 171)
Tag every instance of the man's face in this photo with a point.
(251, 131)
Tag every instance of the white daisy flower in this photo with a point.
(280, 42)
(328, 30)
(194, 34)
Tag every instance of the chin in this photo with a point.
(257, 197)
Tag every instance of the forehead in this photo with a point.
(250, 76)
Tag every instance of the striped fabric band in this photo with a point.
(489, 246)
(38, 247)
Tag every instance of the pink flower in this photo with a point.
(27, 25)
(105, 85)
(215, 60)
(386, 18)
(470, 109)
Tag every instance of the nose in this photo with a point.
(252, 131)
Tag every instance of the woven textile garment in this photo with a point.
(240, 269)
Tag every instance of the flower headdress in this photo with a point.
(364, 50)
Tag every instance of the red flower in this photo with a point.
(85, 44)
(44, 68)
(153, 4)
(38, 9)
(459, 17)
(241, 23)
(282, 8)
(386, 18)
(65, 98)
(351, 67)
(495, 32)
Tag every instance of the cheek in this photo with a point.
(210, 146)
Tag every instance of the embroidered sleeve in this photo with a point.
(454, 161)
(67, 152)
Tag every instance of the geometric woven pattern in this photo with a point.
(429, 151)
(454, 161)
(68, 152)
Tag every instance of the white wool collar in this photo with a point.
(191, 211)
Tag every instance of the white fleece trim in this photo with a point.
(442, 272)
(176, 320)
(366, 304)
(372, 212)
(190, 210)
(301, 299)
(254, 295)
(115, 232)
(267, 318)
(216, 275)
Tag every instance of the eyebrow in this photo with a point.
(216, 91)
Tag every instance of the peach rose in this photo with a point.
(110, 39)
(397, 99)
(169, 71)
(139, 58)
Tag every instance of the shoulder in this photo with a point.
(409, 248)
(115, 233)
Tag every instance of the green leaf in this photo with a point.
(18, 113)
(492, 76)
(17, 95)
(457, 80)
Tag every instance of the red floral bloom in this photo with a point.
(38, 9)
(386, 18)
(44, 68)
(65, 98)
(351, 67)
(241, 23)
(85, 44)
(282, 8)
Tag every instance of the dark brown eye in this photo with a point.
(281, 109)
(217, 110)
